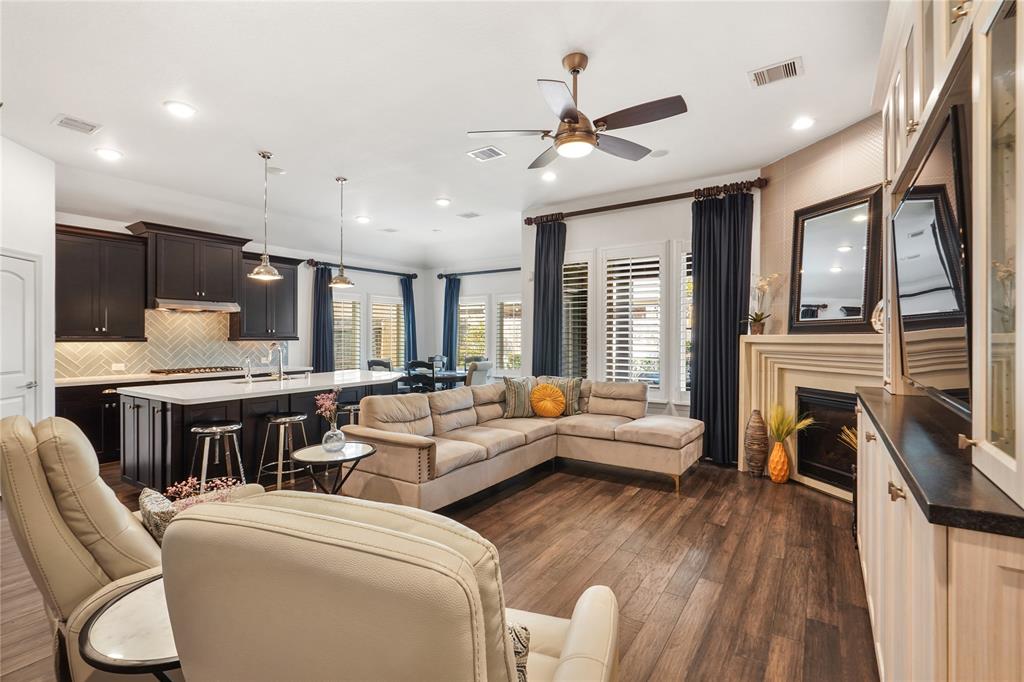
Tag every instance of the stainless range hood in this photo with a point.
(197, 306)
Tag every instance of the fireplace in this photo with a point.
(821, 454)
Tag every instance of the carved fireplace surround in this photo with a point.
(772, 367)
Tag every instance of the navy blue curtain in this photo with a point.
(409, 309)
(548, 258)
(323, 320)
(721, 295)
(450, 336)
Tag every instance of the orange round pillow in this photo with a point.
(547, 400)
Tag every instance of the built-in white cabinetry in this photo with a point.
(903, 559)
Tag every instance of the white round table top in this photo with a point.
(315, 454)
(135, 629)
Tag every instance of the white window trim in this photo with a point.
(679, 247)
(364, 334)
(368, 331)
(492, 329)
(594, 311)
(665, 389)
(489, 314)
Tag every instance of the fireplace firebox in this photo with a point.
(821, 454)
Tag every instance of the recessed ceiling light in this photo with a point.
(179, 109)
(277, 170)
(835, 268)
(658, 153)
(362, 219)
(802, 123)
(860, 218)
(844, 249)
(436, 229)
(108, 154)
(443, 201)
(549, 176)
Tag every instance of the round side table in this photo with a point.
(315, 455)
(131, 634)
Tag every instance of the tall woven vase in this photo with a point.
(778, 464)
(755, 444)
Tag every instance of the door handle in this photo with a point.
(960, 11)
(28, 386)
(896, 492)
(868, 436)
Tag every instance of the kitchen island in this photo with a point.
(156, 420)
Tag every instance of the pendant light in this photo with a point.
(341, 280)
(265, 272)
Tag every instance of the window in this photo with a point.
(633, 319)
(346, 333)
(472, 331)
(509, 349)
(575, 281)
(387, 329)
(686, 323)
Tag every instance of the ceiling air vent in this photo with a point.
(469, 215)
(488, 153)
(791, 68)
(76, 124)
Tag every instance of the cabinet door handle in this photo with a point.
(95, 329)
(896, 492)
(30, 385)
(912, 126)
(108, 391)
(960, 11)
(106, 318)
(868, 436)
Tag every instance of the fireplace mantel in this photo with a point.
(773, 366)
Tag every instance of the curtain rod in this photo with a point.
(700, 193)
(441, 275)
(312, 262)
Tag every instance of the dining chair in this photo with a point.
(478, 373)
(378, 365)
(466, 361)
(421, 375)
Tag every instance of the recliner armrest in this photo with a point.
(369, 434)
(590, 649)
(402, 456)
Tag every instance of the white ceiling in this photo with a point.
(384, 92)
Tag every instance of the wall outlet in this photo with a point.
(117, 367)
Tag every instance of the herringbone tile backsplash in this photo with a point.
(176, 339)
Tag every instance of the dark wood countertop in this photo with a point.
(922, 437)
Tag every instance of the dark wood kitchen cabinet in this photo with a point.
(95, 410)
(99, 286)
(191, 265)
(269, 309)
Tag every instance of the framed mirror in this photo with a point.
(837, 254)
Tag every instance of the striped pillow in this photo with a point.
(517, 397)
(570, 388)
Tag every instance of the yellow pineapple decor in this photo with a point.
(782, 425)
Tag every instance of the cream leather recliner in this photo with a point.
(82, 546)
(301, 586)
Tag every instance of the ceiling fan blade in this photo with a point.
(559, 98)
(642, 113)
(544, 159)
(624, 149)
(506, 133)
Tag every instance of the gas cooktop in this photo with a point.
(195, 370)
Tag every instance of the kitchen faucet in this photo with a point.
(248, 368)
(280, 360)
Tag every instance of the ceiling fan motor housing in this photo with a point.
(576, 132)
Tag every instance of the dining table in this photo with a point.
(447, 378)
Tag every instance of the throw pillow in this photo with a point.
(158, 511)
(570, 389)
(547, 400)
(517, 397)
(520, 648)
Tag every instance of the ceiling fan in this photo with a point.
(576, 136)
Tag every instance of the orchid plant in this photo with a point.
(761, 286)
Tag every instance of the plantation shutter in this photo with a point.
(686, 323)
(388, 332)
(472, 331)
(510, 335)
(346, 333)
(575, 296)
(633, 320)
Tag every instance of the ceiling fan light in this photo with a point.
(265, 271)
(341, 281)
(574, 149)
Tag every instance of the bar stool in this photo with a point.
(284, 421)
(353, 413)
(216, 432)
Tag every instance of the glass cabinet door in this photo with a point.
(997, 417)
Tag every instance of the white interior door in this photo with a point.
(19, 361)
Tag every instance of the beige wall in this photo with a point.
(844, 162)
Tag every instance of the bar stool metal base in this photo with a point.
(217, 433)
(284, 423)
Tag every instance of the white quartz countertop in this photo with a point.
(149, 377)
(199, 392)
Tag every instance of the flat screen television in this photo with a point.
(931, 245)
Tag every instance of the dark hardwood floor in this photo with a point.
(734, 579)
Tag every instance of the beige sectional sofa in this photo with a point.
(434, 449)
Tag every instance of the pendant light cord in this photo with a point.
(341, 224)
(266, 185)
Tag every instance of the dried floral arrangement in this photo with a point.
(190, 487)
(327, 407)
